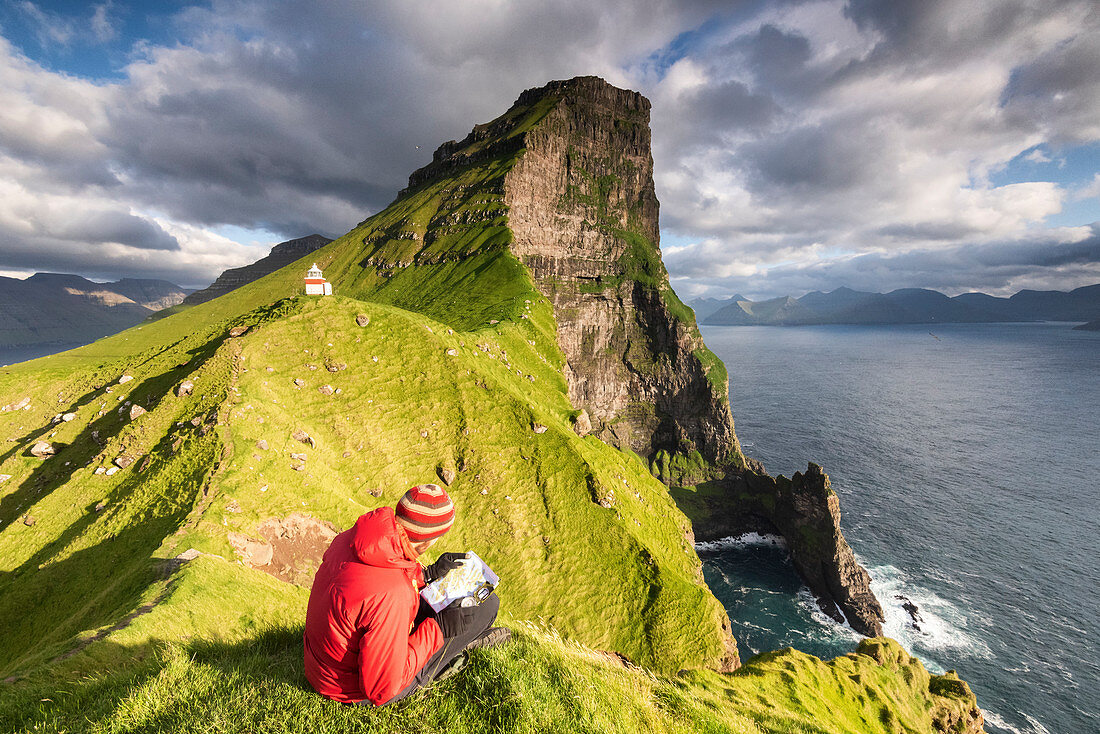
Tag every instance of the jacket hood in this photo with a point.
(376, 540)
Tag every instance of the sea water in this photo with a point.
(967, 461)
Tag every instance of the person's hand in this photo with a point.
(439, 569)
(455, 618)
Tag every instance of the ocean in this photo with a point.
(967, 460)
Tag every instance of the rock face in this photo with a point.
(583, 213)
(281, 255)
(584, 221)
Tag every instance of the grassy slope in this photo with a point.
(97, 553)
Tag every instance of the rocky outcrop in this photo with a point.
(806, 512)
(281, 255)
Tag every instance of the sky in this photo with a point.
(798, 146)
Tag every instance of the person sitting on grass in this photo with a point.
(369, 637)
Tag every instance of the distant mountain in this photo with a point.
(281, 255)
(704, 307)
(906, 306)
(55, 308)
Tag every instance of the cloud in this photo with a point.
(786, 135)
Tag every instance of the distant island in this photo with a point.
(1090, 326)
(903, 306)
(61, 309)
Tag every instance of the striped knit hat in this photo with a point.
(425, 512)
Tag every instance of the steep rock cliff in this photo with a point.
(583, 217)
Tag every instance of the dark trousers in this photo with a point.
(484, 616)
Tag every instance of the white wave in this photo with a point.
(741, 541)
(1036, 727)
(828, 625)
(942, 626)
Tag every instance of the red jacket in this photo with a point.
(359, 640)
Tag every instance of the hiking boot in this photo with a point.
(490, 637)
(453, 667)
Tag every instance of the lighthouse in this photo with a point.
(316, 285)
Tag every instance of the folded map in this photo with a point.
(472, 578)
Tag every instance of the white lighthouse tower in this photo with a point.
(316, 285)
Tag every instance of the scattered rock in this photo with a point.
(24, 403)
(185, 388)
(196, 421)
(494, 321)
(29, 520)
(303, 437)
(100, 506)
(299, 467)
(311, 367)
(447, 475)
(484, 491)
(189, 555)
(136, 411)
(298, 382)
(337, 391)
(374, 492)
(269, 369)
(333, 366)
(68, 417)
(239, 331)
(123, 461)
(100, 470)
(374, 359)
(176, 445)
(261, 445)
(5, 477)
(253, 552)
(423, 434)
(111, 471)
(583, 424)
(325, 389)
(538, 428)
(362, 319)
(233, 506)
(452, 352)
(124, 379)
(299, 457)
(346, 454)
(43, 450)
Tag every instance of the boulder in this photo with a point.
(124, 379)
(43, 450)
(68, 417)
(29, 520)
(362, 319)
(325, 389)
(538, 428)
(123, 461)
(136, 411)
(303, 437)
(185, 388)
(446, 475)
(261, 445)
(583, 424)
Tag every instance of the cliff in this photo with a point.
(583, 215)
(280, 256)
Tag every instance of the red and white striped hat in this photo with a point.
(426, 512)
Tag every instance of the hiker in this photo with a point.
(369, 637)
